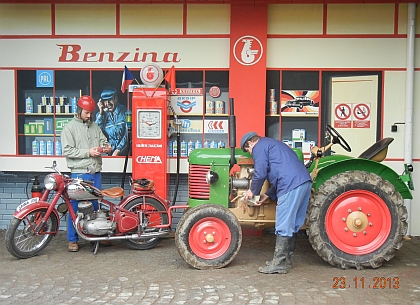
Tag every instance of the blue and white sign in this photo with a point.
(44, 78)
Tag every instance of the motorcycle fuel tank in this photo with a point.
(83, 191)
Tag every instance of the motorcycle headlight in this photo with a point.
(50, 183)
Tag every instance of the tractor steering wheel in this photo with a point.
(337, 138)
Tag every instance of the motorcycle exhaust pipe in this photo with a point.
(132, 236)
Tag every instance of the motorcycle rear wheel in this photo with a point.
(152, 205)
(21, 240)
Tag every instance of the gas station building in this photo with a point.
(356, 64)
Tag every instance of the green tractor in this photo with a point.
(356, 216)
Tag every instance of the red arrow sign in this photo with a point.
(215, 125)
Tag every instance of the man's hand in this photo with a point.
(263, 197)
(248, 195)
(100, 106)
(107, 148)
(94, 152)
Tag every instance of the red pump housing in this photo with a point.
(150, 137)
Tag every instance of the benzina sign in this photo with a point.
(74, 53)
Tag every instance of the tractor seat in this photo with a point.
(377, 152)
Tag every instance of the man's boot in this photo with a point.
(281, 251)
(292, 246)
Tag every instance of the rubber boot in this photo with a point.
(292, 246)
(281, 251)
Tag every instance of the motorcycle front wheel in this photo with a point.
(21, 238)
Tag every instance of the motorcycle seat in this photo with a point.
(377, 152)
(113, 192)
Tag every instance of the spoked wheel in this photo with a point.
(22, 241)
(208, 237)
(356, 219)
(152, 218)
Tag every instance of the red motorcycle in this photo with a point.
(141, 219)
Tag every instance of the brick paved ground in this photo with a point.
(118, 275)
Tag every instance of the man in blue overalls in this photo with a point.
(290, 186)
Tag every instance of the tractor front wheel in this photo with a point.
(356, 220)
(208, 236)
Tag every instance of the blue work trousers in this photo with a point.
(97, 182)
(291, 209)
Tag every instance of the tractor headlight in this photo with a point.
(50, 182)
(211, 177)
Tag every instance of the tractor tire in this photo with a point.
(208, 236)
(356, 220)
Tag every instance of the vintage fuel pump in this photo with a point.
(150, 131)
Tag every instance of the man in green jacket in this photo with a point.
(83, 143)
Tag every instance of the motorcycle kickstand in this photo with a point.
(95, 247)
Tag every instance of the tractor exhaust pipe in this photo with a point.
(232, 133)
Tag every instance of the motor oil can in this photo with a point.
(29, 105)
(35, 147)
(50, 148)
(42, 148)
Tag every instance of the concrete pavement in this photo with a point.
(118, 275)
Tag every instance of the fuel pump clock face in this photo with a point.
(149, 124)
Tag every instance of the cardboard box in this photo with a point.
(307, 146)
(298, 135)
(32, 128)
(26, 129)
(48, 126)
(288, 142)
(60, 123)
(298, 144)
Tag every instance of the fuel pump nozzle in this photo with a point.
(177, 123)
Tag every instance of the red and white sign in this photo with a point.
(214, 91)
(361, 115)
(215, 126)
(248, 50)
(342, 116)
(151, 75)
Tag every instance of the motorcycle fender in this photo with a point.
(33, 207)
(130, 198)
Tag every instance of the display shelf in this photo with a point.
(298, 99)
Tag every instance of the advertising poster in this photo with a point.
(299, 102)
(187, 101)
(111, 108)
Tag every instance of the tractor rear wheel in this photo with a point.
(208, 236)
(356, 220)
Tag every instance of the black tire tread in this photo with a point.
(315, 221)
(189, 219)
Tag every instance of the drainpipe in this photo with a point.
(409, 97)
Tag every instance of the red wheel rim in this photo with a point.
(209, 238)
(358, 222)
